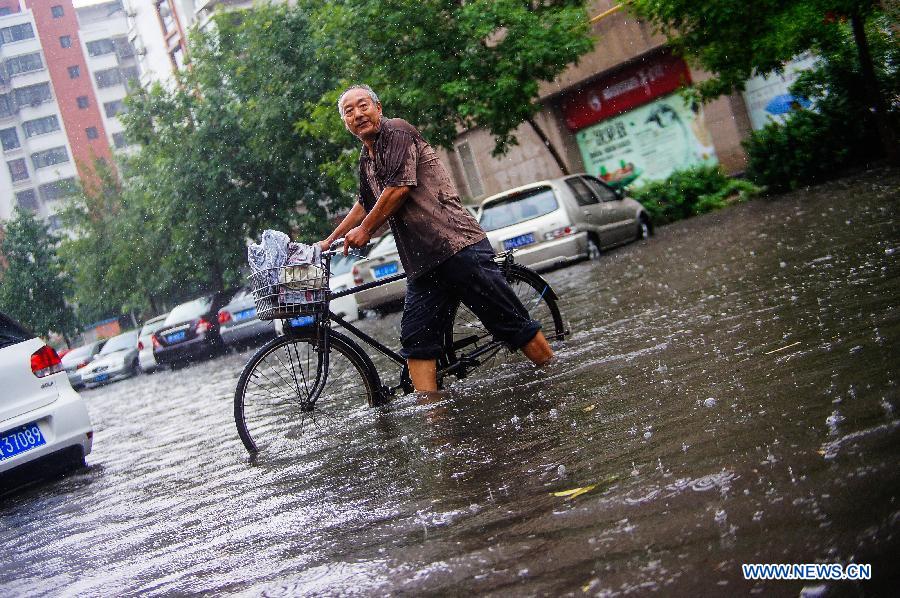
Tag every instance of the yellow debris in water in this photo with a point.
(575, 491)
(589, 408)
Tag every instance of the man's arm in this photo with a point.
(390, 201)
(350, 221)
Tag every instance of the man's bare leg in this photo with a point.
(538, 350)
(424, 374)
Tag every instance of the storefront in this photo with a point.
(634, 126)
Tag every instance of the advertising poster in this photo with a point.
(647, 143)
(769, 99)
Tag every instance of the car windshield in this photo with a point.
(190, 310)
(123, 342)
(518, 208)
(11, 333)
(78, 352)
(152, 326)
(341, 264)
(385, 246)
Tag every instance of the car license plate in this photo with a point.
(302, 321)
(20, 440)
(519, 241)
(385, 270)
(176, 337)
(101, 378)
(245, 314)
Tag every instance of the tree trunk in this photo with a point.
(546, 141)
(153, 304)
(878, 106)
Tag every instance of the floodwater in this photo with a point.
(728, 395)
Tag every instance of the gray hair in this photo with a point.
(362, 86)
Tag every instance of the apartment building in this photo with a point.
(63, 75)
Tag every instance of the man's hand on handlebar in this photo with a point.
(358, 237)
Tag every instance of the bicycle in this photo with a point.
(312, 370)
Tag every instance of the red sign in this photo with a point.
(626, 89)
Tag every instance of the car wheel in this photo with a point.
(645, 230)
(593, 246)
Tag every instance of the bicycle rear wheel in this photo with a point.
(469, 334)
(272, 407)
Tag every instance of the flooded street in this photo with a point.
(728, 395)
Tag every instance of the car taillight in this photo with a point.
(357, 279)
(155, 341)
(224, 316)
(140, 345)
(203, 326)
(45, 362)
(560, 232)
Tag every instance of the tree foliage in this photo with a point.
(33, 287)
(735, 40)
(445, 65)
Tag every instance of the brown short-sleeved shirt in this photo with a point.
(431, 225)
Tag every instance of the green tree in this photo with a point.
(734, 40)
(33, 288)
(445, 65)
(220, 159)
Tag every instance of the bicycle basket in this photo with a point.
(289, 291)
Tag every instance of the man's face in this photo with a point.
(362, 116)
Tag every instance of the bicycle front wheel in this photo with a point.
(273, 407)
(469, 334)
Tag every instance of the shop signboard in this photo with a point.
(624, 90)
(647, 143)
(769, 99)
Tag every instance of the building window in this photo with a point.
(165, 15)
(74, 72)
(114, 108)
(108, 77)
(56, 11)
(54, 222)
(119, 140)
(33, 95)
(65, 41)
(58, 189)
(6, 105)
(82, 102)
(15, 33)
(5, 10)
(24, 64)
(177, 57)
(91, 132)
(9, 139)
(473, 178)
(124, 49)
(130, 74)
(27, 200)
(39, 126)
(18, 171)
(99, 47)
(56, 155)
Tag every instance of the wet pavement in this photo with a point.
(729, 395)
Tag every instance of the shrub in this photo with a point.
(689, 192)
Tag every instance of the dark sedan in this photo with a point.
(190, 332)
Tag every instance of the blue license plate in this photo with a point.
(174, 338)
(385, 270)
(102, 378)
(20, 440)
(245, 314)
(302, 321)
(519, 241)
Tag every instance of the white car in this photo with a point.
(383, 261)
(556, 222)
(40, 414)
(117, 360)
(146, 361)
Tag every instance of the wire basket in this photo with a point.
(289, 291)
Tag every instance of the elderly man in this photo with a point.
(444, 251)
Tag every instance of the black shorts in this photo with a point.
(470, 276)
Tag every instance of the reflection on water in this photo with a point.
(729, 395)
